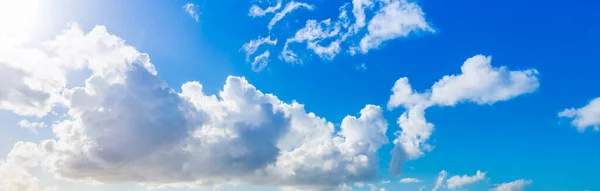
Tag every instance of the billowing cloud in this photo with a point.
(409, 180)
(584, 117)
(193, 10)
(256, 11)
(15, 170)
(456, 181)
(126, 125)
(517, 185)
(479, 83)
(397, 18)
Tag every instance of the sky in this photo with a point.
(302, 95)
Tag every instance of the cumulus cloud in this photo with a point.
(397, 18)
(256, 11)
(289, 7)
(124, 124)
(32, 126)
(479, 83)
(456, 181)
(409, 180)
(517, 185)
(584, 117)
(15, 170)
(193, 10)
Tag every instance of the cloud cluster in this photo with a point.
(478, 83)
(124, 124)
(457, 181)
(584, 117)
(14, 171)
(327, 38)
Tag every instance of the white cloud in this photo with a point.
(483, 84)
(256, 11)
(252, 46)
(479, 83)
(260, 61)
(587, 116)
(385, 182)
(32, 126)
(289, 7)
(440, 180)
(15, 170)
(126, 125)
(193, 10)
(358, 10)
(397, 18)
(409, 180)
(460, 181)
(517, 185)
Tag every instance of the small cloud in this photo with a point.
(192, 9)
(361, 67)
(32, 126)
(385, 182)
(409, 180)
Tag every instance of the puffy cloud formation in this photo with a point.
(14, 171)
(126, 125)
(192, 10)
(460, 181)
(409, 180)
(327, 38)
(587, 116)
(517, 185)
(479, 83)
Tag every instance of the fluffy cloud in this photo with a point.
(440, 180)
(192, 10)
(479, 83)
(409, 180)
(126, 125)
(517, 185)
(460, 181)
(289, 7)
(587, 116)
(256, 11)
(397, 18)
(14, 171)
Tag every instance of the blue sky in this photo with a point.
(522, 111)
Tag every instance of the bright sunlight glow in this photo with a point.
(18, 18)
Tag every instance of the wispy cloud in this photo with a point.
(193, 10)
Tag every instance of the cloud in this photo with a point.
(440, 180)
(124, 124)
(479, 83)
(517, 185)
(289, 7)
(358, 10)
(256, 11)
(587, 116)
(193, 10)
(14, 171)
(460, 181)
(397, 18)
(260, 61)
(409, 180)
(32, 126)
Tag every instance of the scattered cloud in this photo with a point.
(440, 180)
(193, 10)
(385, 182)
(256, 11)
(479, 83)
(361, 67)
(587, 116)
(409, 180)
(517, 185)
(289, 7)
(32, 126)
(260, 61)
(455, 182)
